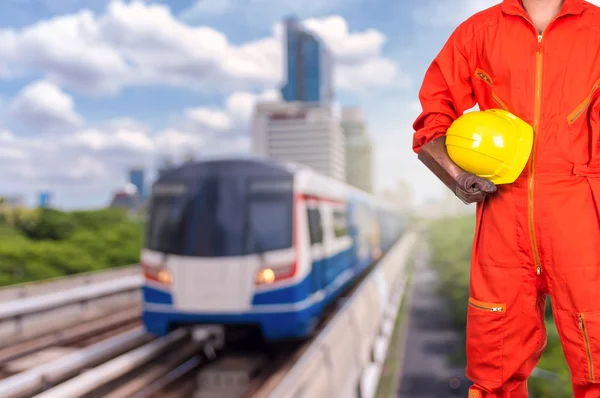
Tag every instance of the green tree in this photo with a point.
(49, 224)
(47, 243)
(100, 219)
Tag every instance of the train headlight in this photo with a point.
(265, 276)
(164, 276)
(273, 274)
(158, 274)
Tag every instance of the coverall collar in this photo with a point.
(515, 7)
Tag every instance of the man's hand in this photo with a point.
(466, 186)
(471, 188)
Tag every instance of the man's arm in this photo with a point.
(445, 94)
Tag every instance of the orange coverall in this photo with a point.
(541, 234)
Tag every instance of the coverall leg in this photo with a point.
(572, 262)
(506, 333)
(505, 345)
(540, 235)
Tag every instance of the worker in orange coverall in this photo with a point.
(540, 60)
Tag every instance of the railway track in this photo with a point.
(178, 365)
(16, 355)
(111, 356)
(104, 355)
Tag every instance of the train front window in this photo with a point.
(269, 223)
(218, 227)
(166, 225)
(224, 216)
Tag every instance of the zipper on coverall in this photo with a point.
(587, 346)
(487, 306)
(536, 126)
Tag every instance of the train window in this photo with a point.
(166, 227)
(340, 226)
(315, 226)
(218, 228)
(269, 224)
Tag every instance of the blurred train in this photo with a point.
(251, 242)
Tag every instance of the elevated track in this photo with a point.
(86, 340)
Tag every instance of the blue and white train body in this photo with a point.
(253, 242)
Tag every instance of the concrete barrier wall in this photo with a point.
(32, 289)
(65, 306)
(345, 360)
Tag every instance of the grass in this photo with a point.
(388, 382)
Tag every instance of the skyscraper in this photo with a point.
(136, 177)
(44, 199)
(301, 133)
(305, 127)
(309, 66)
(359, 149)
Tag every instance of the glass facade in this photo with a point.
(44, 199)
(309, 66)
(136, 177)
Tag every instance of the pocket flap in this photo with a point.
(484, 306)
(583, 105)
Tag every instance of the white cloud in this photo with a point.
(348, 47)
(141, 44)
(442, 13)
(120, 139)
(259, 11)
(173, 141)
(144, 44)
(240, 105)
(43, 107)
(213, 119)
(359, 63)
(94, 154)
(232, 120)
(7, 152)
(376, 72)
(70, 50)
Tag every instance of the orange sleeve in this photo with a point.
(445, 94)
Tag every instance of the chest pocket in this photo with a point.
(583, 105)
(488, 98)
(584, 128)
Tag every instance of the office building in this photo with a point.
(305, 127)
(308, 66)
(359, 150)
(136, 177)
(303, 133)
(44, 199)
(126, 198)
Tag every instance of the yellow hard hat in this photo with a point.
(493, 144)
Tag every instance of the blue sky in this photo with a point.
(89, 88)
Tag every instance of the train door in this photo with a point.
(317, 249)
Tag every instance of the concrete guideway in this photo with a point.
(33, 314)
(46, 286)
(346, 359)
